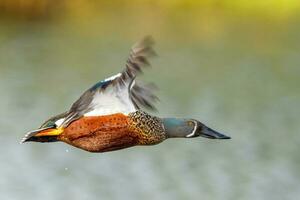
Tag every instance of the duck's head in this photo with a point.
(188, 128)
(48, 131)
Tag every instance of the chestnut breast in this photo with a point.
(100, 133)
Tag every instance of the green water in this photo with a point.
(242, 80)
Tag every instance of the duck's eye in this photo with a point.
(190, 123)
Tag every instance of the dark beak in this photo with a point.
(212, 134)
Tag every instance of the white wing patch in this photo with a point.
(113, 77)
(114, 99)
(59, 122)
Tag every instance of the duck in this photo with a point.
(110, 115)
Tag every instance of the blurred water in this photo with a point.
(243, 81)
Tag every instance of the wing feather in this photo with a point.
(138, 58)
(119, 93)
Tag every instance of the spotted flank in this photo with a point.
(109, 115)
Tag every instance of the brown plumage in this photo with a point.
(112, 132)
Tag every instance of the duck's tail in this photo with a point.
(188, 128)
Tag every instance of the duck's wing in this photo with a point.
(120, 93)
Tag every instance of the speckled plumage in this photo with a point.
(149, 128)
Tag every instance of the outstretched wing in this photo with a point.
(120, 93)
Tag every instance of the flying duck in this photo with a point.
(109, 115)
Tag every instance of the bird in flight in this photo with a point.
(109, 116)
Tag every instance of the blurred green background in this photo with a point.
(234, 65)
